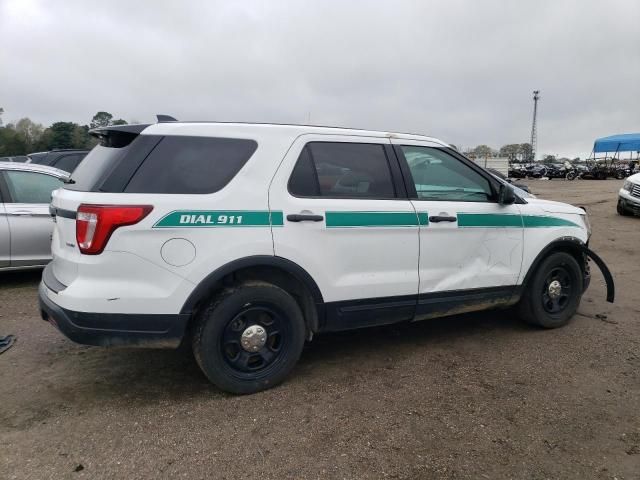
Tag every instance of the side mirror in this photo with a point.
(506, 195)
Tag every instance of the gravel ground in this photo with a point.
(474, 396)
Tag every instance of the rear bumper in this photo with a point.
(113, 329)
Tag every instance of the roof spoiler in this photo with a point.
(165, 118)
(117, 135)
(122, 135)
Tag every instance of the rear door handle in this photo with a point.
(21, 213)
(442, 218)
(300, 217)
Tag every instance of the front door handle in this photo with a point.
(442, 218)
(300, 217)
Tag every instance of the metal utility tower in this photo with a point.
(534, 127)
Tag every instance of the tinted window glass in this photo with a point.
(68, 163)
(191, 165)
(439, 176)
(348, 170)
(304, 181)
(95, 165)
(30, 187)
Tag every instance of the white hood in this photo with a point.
(555, 207)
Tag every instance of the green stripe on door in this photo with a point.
(489, 220)
(497, 220)
(373, 219)
(220, 218)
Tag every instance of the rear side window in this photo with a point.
(187, 165)
(342, 170)
(31, 187)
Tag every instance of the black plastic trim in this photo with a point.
(4, 189)
(606, 273)
(452, 302)
(203, 290)
(396, 172)
(114, 329)
(50, 280)
(61, 212)
(368, 312)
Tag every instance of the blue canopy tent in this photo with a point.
(626, 142)
(610, 164)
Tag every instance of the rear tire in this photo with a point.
(571, 176)
(249, 338)
(553, 294)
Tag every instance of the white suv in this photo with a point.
(247, 239)
(629, 196)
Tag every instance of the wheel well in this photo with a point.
(572, 247)
(275, 276)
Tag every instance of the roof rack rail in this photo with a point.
(165, 118)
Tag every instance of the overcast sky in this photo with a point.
(462, 71)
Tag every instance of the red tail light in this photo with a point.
(96, 223)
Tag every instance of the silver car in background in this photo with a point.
(25, 222)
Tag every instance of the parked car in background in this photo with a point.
(66, 160)
(25, 222)
(629, 196)
(15, 158)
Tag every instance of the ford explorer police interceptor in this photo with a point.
(245, 240)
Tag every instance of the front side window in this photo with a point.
(440, 176)
(342, 170)
(31, 187)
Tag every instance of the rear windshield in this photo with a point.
(95, 166)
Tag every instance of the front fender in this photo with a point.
(578, 246)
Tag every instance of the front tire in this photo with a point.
(622, 210)
(552, 296)
(249, 338)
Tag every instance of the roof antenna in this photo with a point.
(165, 118)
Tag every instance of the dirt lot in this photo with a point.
(475, 396)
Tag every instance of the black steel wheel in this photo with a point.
(254, 339)
(556, 290)
(552, 295)
(249, 337)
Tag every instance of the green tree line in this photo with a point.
(515, 152)
(25, 136)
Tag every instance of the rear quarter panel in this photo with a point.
(178, 255)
